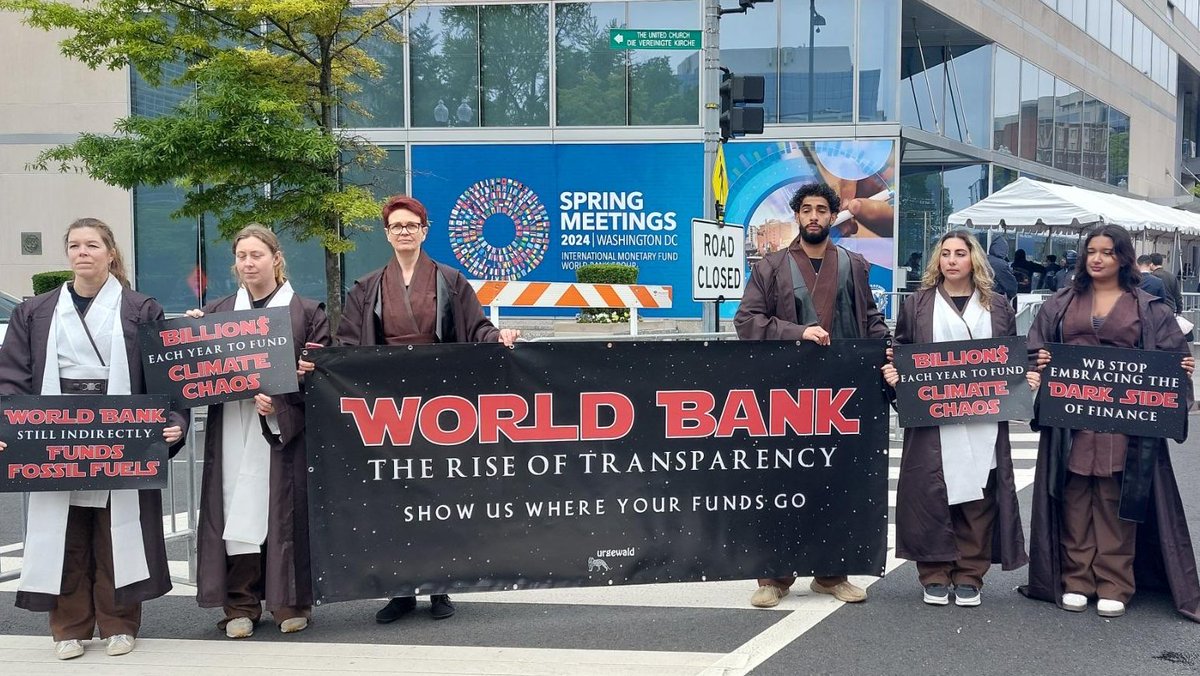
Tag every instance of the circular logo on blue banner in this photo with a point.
(505, 200)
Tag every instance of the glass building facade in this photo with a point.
(537, 86)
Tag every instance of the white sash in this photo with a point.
(246, 459)
(968, 450)
(69, 354)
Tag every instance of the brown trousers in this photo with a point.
(244, 592)
(1097, 546)
(972, 522)
(87, 599)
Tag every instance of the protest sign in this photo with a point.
(84, 442)
(226, 356)
(965, 381)
(1111, 389)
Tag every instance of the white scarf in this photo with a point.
(246, 459)
(968, 450)
(69, 354)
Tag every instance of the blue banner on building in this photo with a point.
(538, 212)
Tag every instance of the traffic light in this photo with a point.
(738, 118)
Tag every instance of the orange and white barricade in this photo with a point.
(498, 294)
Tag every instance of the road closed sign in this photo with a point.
(718, 261)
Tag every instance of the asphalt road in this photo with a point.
(892, 633)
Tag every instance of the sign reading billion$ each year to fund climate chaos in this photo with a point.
(225, 356)
(956, 382)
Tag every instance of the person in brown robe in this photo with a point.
(1107, 517)
(813, 290)
(279, 574)
(953, 545)
(88, 598)
(413, 300)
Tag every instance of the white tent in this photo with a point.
(1033, 206)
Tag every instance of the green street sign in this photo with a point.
(627, 38)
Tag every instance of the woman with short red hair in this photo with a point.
(414, 300)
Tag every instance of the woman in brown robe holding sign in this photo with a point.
(956, 502)
(413, 300)
(253, 534)
(90, 557)
(1106, 510)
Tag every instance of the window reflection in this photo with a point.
(1118, 148)
(381, 99)
(165, 248)
(515, 76)
(370, 251)
(816, 79)
(878, 72)
(1006, 103)
(590, 88)
(444, 62)
(1067, 142)
(662, 88)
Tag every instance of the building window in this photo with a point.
(1118, 148)
(816, 69)
(597, 85)
(878, 69)
(1006, 103)
(381, 100)
(480, 65)
(165, 249)
(371, 250)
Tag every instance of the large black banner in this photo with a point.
(456, 467)
(225, 356)
(84, 442)
(1111, 389)
(962, 381)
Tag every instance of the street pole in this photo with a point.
(711, 88)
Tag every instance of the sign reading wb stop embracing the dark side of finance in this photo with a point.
(1110, 389)
(962, 382)
(83, 442)
(225, 356)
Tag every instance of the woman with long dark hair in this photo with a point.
(956, 502)
(91, 557)
(253, 534)
(1106, 504)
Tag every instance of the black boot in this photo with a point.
(396, 609)
(440, 607)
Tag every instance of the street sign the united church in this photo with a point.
(628, 38)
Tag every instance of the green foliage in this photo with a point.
(605, 273)
(49, 281)
(256, 137)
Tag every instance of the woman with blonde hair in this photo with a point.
(956, 502)
(91, 557)
(253, 533)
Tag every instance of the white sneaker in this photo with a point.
(1076, 603)
(119, 644)
(69, 649)
(240, 627)
(1109, 608)
(293, 625)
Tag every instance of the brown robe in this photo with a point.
(409, 312)
(460, 317)
(22, 364)
(287, 576)
(924, 531)
(1164, 557)
(768, 307)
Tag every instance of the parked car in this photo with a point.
(7, 305)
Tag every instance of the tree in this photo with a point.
(256, 138)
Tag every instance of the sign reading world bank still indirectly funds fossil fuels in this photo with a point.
(456, 467)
